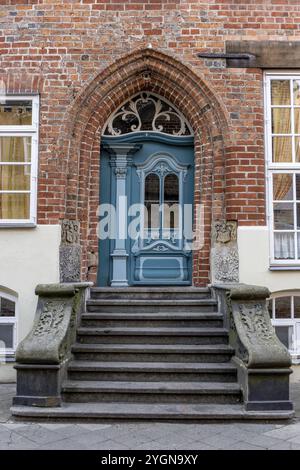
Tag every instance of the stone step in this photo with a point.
(165, 319)
(152, 371)
(152, 353)
(151, 305)
(150, 392)
(169, 412)
(150, 293)
(153, 335)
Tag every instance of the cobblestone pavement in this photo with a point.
(144, 436)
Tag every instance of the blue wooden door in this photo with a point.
(160, 192)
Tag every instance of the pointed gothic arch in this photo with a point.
(152, 71)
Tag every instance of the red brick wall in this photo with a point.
(65, 50)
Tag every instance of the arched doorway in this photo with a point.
(82, 132)
(146, 195)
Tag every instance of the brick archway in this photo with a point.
(143, 70)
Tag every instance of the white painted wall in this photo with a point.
(28, 257)
(253, 244)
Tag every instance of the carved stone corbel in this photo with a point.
(224, 252)
(69, 251)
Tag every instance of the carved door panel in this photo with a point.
(162, 182)
(155, 176)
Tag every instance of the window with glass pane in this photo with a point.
(15, 112)
(283, 150)
(7, 307)
(18, 139)
(7, 324)
(283, 307)
(171, 202)
(152, 201)
(285, 316)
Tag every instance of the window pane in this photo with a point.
(14, 177)
(6, 336)
(296, 306)
(280, 92)
(282, 149)
(15, 149)
(284, 246)
(296, 91)
(297, 120)
(270, 307)
(285, 335)
(171, 188)
(15, 113)
(283, 307)
(281, 121)
(298, 216)
(171, 201)
(152, 188)
(283, 187)
(283, 216)
(14, 206)
(152, 201)
(7, 307)
(297, 149)
(298, 244)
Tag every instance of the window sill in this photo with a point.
(282, 267)
(7, 358)
(18, 225)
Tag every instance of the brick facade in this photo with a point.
(86, 57)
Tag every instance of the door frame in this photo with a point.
(133, 143)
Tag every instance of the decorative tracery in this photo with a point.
(147, 112)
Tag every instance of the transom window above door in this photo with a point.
(147, 112)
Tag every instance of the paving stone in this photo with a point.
(96, 437)
(94, 427)
(285, 445)
(16, 440)
(220, 441)
(64, 444)
(109, 445)
(71, 431)
(39, 435)
(250, 437)
(285, 432)
(256, 427)
(243, 446)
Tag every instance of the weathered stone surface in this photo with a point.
(263, 362)
(70, 230)
(266, 54)
(54, 325)
(43, 355)
(70, 256)
(254, 329)
(70, 251)
(224, 252)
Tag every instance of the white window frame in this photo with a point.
(293, 322)
(24, 131)
(10, 352)
(273, 168)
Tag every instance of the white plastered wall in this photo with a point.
(28, 257)
(253, 245)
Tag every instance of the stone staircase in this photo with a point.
(151, 346)
(151, 353)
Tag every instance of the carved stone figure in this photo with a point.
(225, 231)
(224, 252)
(69, 231)
(69, 252)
